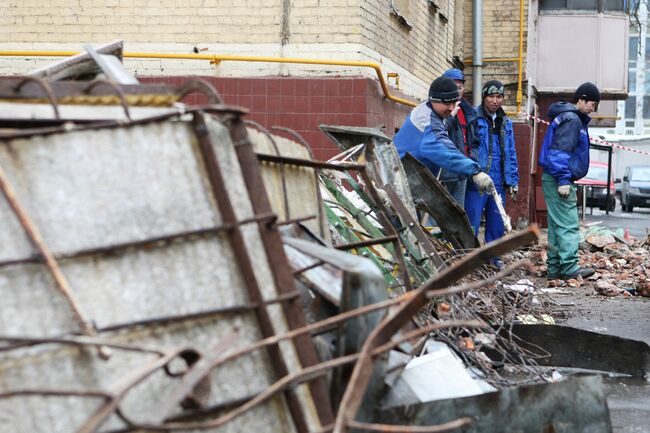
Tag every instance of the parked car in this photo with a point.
(635, 189)
(595, 186)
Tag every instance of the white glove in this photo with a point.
(483, 182)
(564, 190)
(513, 190)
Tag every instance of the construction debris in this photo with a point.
(192, 271)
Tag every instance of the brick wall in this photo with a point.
(363, 30)
(302, 104)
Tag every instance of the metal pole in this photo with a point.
(477, 36)
(609, 177)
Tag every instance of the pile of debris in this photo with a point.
(191, 270)
(621, 262)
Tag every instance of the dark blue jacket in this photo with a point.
(456, 135)
(496, 152)
(424, 135)
(565, 150)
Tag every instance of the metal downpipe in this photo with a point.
(477, 60)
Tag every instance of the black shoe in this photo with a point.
(550, 277)
(580, 272)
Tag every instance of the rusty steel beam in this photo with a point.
(308, 163)
(279, 265)
(381, 335)
(390, 428)
(111, 249)
(203, 314)
(227, 211)
(368, 242)
(414, 226)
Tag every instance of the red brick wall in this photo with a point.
(520, 211)
(304, 103)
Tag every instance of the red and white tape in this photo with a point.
(593, 140)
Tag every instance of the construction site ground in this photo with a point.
(628, 399)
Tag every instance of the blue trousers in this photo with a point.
(476, 204)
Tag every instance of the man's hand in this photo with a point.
(483, 182)
(564, 190)
(456, 108)
(513, 190)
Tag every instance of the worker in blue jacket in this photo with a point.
(424, 135)
(564, 156)
(496, 156)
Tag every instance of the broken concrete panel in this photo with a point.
(575, 405)
(293, 191)
(129, 212)
(430, 193)
(572, 347)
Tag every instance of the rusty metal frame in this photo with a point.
(414, 226)
(301, 140)
(361, 375)
(283, 178)
(274, 249)
(222, 200)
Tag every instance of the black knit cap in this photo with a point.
(587, 92)
(492, 87)
(443, 89)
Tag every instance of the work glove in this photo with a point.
(513, 190)
(483, 182)
(564, 190)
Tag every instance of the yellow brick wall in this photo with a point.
(426, 49)
(334, 29)
(500, 40)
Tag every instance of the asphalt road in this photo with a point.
(636, 222)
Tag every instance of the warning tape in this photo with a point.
(593, 140)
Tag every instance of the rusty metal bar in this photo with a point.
(362, 372)
(46, 88)
(361, 244)
(397, 246)
(308, 163)
(110, 249)
(52, 265)
(295, 220)
(122, 388)
(283, 179)
(388, 428)
(53, 393)
(222, 199)
(202, 86)
(301, 140)
(116, 88)
(306, 268)
(303, 375)
(72, 341)
(282, 274)
(203, 314)
(413, 225)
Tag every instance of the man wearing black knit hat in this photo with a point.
(424, 135)
(564, 155)
(496, 156)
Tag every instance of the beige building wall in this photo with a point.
(360, 30)
(500, 41)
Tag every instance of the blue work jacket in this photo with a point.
(424, 135)
(495, 152)
(565, 149)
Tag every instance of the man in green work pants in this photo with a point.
(565, 158)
